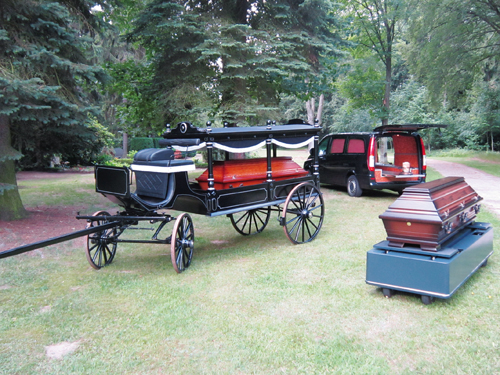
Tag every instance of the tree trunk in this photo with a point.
(310, 107)
(312, 114)
(320, 108)
(11, 206)
(387, 104)
(387, 92)
(125, 145)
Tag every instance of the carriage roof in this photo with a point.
(188, 137)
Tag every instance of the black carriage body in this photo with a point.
(163, 183)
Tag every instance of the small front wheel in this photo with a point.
(101, 246)
(182, 243)
(303, 213)
(353, 188)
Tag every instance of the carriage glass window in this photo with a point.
(338, 146)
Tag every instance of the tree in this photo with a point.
(234, 58)
(362, 82)
(450, 43)
(11, 206)
(123, 106)
(454, 50)
(374, 24)
(45, 83)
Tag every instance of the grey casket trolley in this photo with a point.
(247, 190)
(433, 244)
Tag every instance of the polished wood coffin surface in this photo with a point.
(428, 214)
(244, 172)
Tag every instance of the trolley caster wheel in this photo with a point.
(252, 221)
(303, 213)
(101, 246)
(388, 293)
(182, 243)
(427, 300)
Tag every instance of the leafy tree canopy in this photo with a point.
(450, 42)
(235, 56)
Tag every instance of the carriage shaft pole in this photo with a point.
(54, 240)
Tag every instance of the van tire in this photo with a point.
(353, 188)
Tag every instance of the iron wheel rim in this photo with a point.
(252, 221)
(303, 213)
(101, 246)
(182, 243)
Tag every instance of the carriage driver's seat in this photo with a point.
(155, 170)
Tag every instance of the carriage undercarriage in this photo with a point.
(300, 213)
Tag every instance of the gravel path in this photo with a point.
(486, 185)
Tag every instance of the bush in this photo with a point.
(103, 159)
(140, 143)
(125, 162)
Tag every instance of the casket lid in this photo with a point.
(444, 197)
(428, 188)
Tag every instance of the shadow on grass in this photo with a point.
(366, 193)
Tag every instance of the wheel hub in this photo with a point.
(187, 243)
(306, 214)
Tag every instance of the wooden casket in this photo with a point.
(245, 172)
(428, 214)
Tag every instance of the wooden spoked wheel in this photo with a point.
(101, 246)
(182, 242)
(302, 216)
(252, 221)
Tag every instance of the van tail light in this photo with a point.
(424, 159)
(371, 155)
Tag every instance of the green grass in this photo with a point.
(247, 305)
(488, 162)
(58, 189)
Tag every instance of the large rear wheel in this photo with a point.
(252, 221)
(303, 213)
(101, 246)
(182, 243)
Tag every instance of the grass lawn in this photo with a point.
(247, 305)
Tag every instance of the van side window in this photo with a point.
(356, 146)
(337, 146)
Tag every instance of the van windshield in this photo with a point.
(322, 146)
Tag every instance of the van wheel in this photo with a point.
(353, 188)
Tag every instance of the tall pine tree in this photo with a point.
(45, 80)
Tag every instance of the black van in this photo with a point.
(391, 157)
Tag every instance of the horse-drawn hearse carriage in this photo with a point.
(245, 190)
